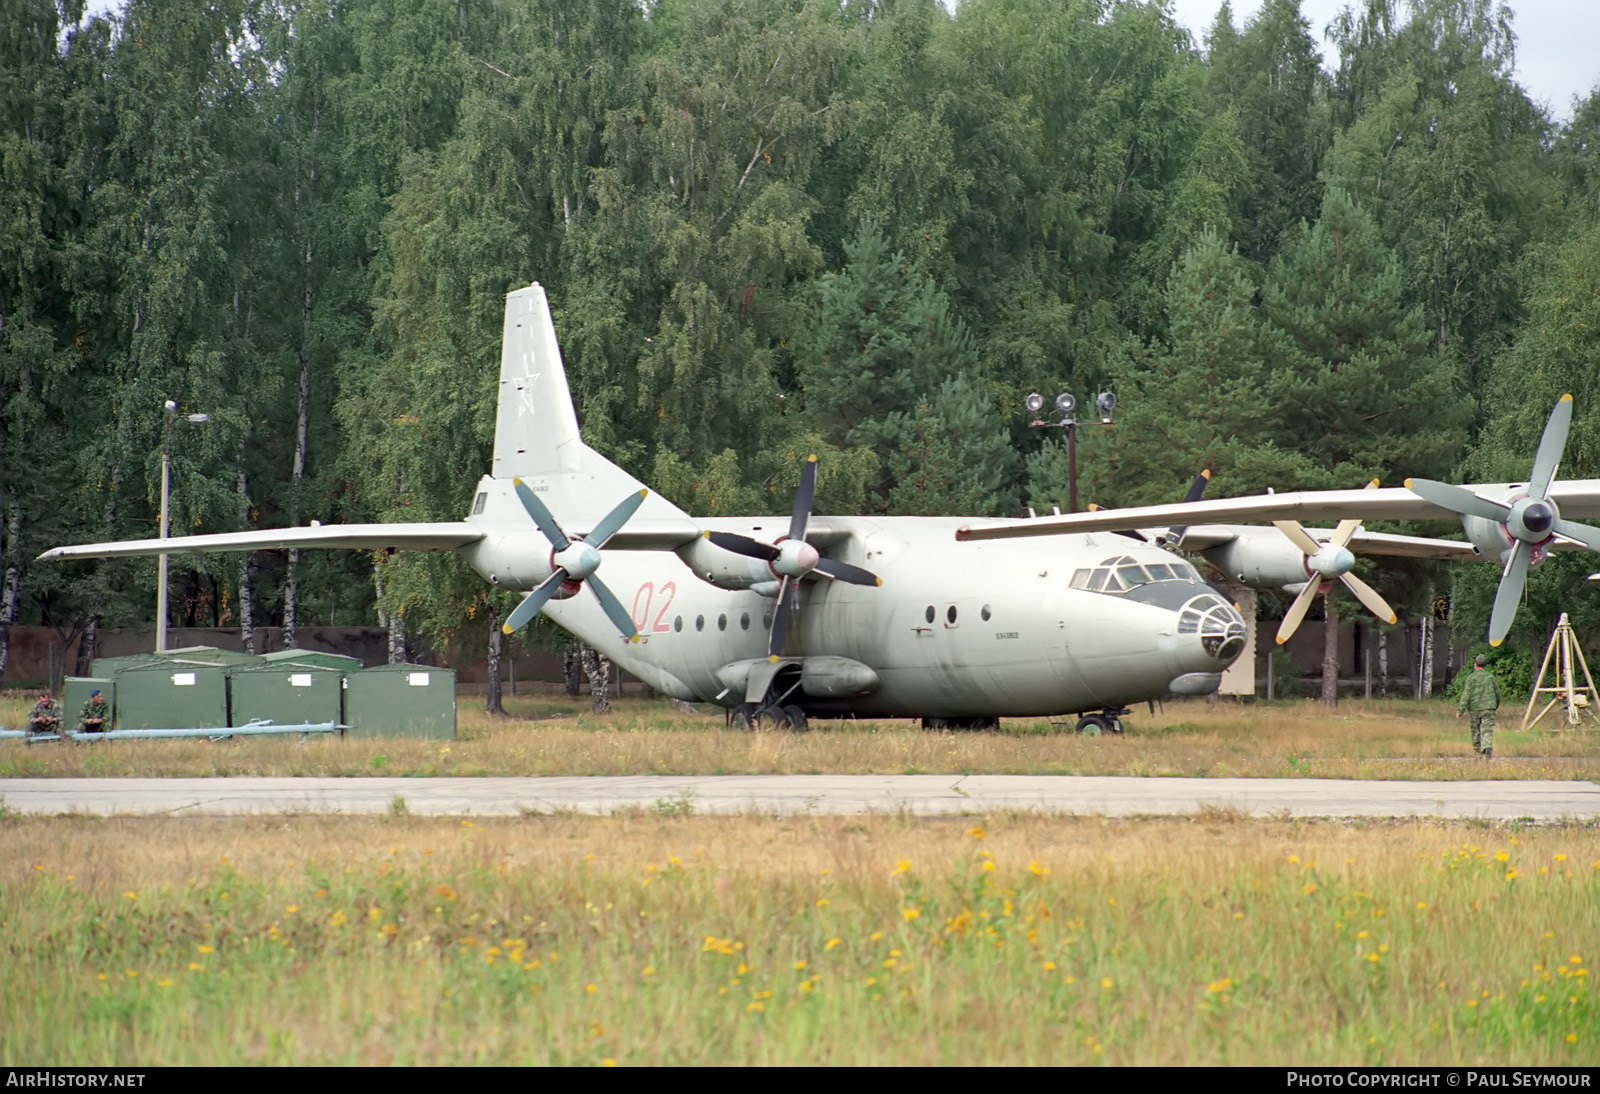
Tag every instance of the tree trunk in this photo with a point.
(1383, 664)
(1425, 656)
(388, 621)
(86, 647)
(496, 637)
(11, 584)
(598, 670)
(247, 565)
(1330, 653)
(570, 669)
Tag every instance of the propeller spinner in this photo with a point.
(574, 561)
(792, 558)
(1325, 561)
(1529, 522)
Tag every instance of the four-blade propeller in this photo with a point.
(1325, 561)
(574, 561)
(1530, 521)
(792, 558)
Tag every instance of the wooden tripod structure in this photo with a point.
(1568, 657)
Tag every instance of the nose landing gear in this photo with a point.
(1107, 721)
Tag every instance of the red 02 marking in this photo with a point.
(669, 590)
(646, 593)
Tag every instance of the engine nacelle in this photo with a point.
(724, 569)
(519, 561)
(1266, 561)
(1488, 536)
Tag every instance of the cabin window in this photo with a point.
(766, 619)
(1097, 581)
(928, 615)
(950, 615)
(699, 622)
(1080, 580)
(1160, 571)
(986, 613)
(744, 621)
(677, 624)
(722, 622)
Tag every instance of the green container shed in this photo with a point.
(316, 657)
(110, 666)
(173, 695)
(213, 654)
(401, 701)
(75, 692)
(285, 694)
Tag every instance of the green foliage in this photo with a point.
(1512, 668)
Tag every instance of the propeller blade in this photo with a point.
(1369, 597)
(1551, 445)
(523, 613)
(803, 499)
(744, 545)
(541, 516)
(853, 575)
(780, 617)
(615, 519)
(1197, 488)
(1297, 612)
(1347, 528)
(1458, 499)
(613, 608)
(1509, 596)
(1297, 536)
(1583, 533)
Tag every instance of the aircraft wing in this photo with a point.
(662, 534)
(1578, 499)
(1206, 536)
(446, 536)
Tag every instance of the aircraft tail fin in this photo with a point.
(536, 436)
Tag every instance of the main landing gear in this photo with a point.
(751, 716)
(1107, 721)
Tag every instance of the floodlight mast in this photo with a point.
(169, 411)
(1066, 403)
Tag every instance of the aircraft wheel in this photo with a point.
(744, 717)
(796, 718)
(1091, 725)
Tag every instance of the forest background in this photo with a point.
(768, 228)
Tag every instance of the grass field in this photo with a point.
(669, 940)
(552, 735)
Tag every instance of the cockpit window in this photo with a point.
(1118, 575)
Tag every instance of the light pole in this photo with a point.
(169, 412)
(1066, 403)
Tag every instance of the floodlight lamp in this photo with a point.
(170, 407)
(1065, 402)
(198, 419)
(1106, 401)
(1034, 402)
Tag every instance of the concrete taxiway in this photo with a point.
(922, 795)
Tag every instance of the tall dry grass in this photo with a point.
(659, 940)
(555, 736)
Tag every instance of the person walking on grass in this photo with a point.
(1480, 698)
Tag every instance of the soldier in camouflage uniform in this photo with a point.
(45, 717)
(95, 717)
(1480, 698)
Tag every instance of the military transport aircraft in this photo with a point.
(781, 619)
(1517, 523)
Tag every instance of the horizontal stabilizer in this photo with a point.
(445, 536)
